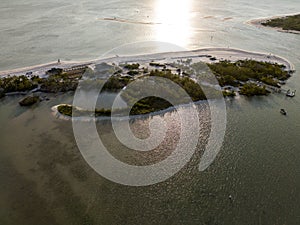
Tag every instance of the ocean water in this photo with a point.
(34, 32)
(44, 179)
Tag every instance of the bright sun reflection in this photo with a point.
(174, 16)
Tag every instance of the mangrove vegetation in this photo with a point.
(286, 23)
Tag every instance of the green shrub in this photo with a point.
(250, 89)
(286, 23)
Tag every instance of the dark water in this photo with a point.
(44, 177)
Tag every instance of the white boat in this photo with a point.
(291, 93)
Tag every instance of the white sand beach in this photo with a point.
(199, 54)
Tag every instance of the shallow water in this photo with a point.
(44, 179)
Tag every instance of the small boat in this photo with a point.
(291, 93)
(283, 112)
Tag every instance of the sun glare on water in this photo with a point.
(174, 17)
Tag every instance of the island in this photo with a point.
(288, 24)
(237, 72)
(29, 100)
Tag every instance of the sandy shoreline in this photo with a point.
(220, 53)
(258, 23)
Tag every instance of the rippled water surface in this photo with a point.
(44, 179)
